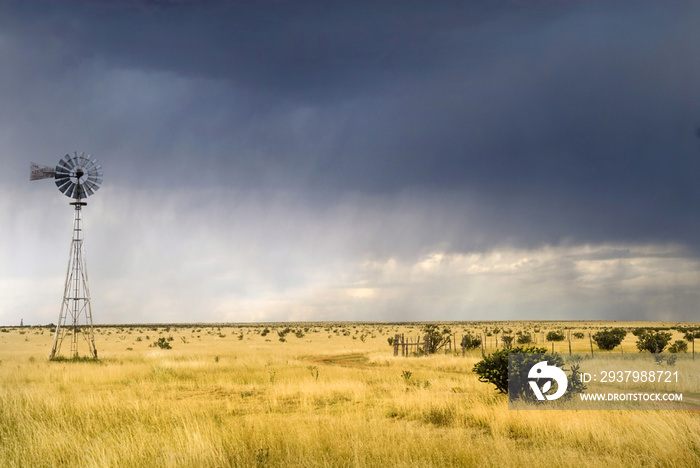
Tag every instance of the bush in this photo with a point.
(652, 341)
(555, 336)
(470, 342)
(162, 343)
(507, 341)
(609, 339)
(578, 335)
(691, 335)
(436, 339)
(678, 346)
(494, 369)
(524, 338)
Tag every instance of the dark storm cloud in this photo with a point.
(562, 121)
(356, 160)
(308, 48)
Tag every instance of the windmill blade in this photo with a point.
(63, 184)
(61, 172)
(61, 179)
(81, 161)
(81, 192)
(92, 186)
(68, 189)
(38, 172)
(88, 191)
(67, 162)
(78, 191)
(95, 170)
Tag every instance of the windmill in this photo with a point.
(77, 176)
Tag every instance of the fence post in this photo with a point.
(569, 342)
(591, 341)
(426, 344)
(396, 344)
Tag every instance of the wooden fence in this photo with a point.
(410, 345)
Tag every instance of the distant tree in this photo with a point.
(524, 338)
(609, 339)
(691, 335)
(507, 341)
(653, 341)
(436, 339)
(555, 336)
(162, 343)
(678, 346)
(494, 369)
(470, 342)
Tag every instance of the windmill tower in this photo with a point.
(77, 176)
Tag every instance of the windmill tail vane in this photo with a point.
(77, 176)
(37, 172)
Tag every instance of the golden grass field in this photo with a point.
(334, 397)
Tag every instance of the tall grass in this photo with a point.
(218, 401)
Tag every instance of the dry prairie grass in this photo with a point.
(328, 398)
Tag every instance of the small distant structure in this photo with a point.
(77, 176)
(21, 322)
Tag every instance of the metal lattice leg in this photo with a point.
(76, 297)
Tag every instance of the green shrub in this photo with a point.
(436, 339)
(494, 367)
(507, 341)
(609, 339)
(524, 338)
(555, 336)
(652, 341)
(691, 335)
(162, 343)
(678, 346)
(470, 342)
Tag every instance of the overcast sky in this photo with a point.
(328, 160)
